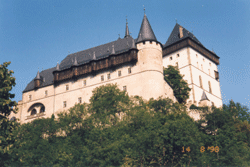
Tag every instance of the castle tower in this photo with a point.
(150, 63)
(196, 63)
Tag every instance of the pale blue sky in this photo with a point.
(38, 33)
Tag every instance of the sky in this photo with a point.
(36, 34)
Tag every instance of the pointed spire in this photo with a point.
(126, 31)
(57, 66)
(94, 57)
(113, 50)
(38, 75)
(146, 33)
(204, 96)
(75, 62)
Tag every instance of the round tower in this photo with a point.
(150, 62)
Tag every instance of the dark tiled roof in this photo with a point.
(83, 57)
(46, 77)
(204, 96)
(175, 36)
(146, 33)
(102, 51)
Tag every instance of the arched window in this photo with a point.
(33, 112)
(42, 110)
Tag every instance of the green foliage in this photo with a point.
(7, 81)
(175, 80)
(147, 133)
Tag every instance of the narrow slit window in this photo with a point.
(124, 88)
(129, 70)
(210, 89)
(79, 100)
(200, 82)
(64, 104)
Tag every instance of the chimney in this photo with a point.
(181, 31)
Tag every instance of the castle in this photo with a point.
(136, 65)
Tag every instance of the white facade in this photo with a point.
(194, 66)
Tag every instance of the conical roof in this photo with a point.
(38, 75)
(175, 35)
(204, 96)
(146, 33)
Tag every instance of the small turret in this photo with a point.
(113, 50)
(75, 62)
(204, 100)
(38, 80)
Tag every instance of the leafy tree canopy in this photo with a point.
(175, 80)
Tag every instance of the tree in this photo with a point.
(7, 81)
(229, 129)
(175, 80)
(107, 103)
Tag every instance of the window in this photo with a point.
(129, 70)
(67, 87)
(200, 82)
(210, 64)
(177, 65)
(64, 104)
(213, 104)
(79, 100)
(150, 42)
(178, 55)
(33, 112)
(119, 73)
(124, 88)
(209, 85)
(108, 76)
(170, 58)
(46, 93)
(196, 56)
(216, 74)
(30, 97)
(42, 110)
(84, 83)
(203, 60)
(102, 78)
